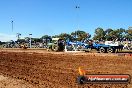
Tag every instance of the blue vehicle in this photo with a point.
(102, 48)
(108, 47)
(79, 46)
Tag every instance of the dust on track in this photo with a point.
(42, 69)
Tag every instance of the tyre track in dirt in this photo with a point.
(59, 70)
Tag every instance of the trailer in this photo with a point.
(107, 47)
(102, 48)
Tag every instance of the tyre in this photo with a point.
(89, 49)
(102, 50)
(81, 80)
(110, 50)
(55, 49)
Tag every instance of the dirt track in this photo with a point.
(59, 70)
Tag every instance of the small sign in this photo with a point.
(105, 78)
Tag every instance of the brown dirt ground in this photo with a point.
(42, 69)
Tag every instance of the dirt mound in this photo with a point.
(51, 70)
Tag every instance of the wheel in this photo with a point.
(102, 50)
(110, 50)
(81, 80)
(55, 49)
(89, 49)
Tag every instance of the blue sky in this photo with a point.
(52, 17)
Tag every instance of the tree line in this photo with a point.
(79, 35)
(113, 34)
(100, 34)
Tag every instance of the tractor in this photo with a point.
(57, 44)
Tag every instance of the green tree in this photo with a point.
(114, 34)
(46, 39)
(128, 33)
(55, 36)
(111, 34)
(80, 35)
(120, 33)
(107, 32)
(99, 34)
(36, 40)
(65, 36)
